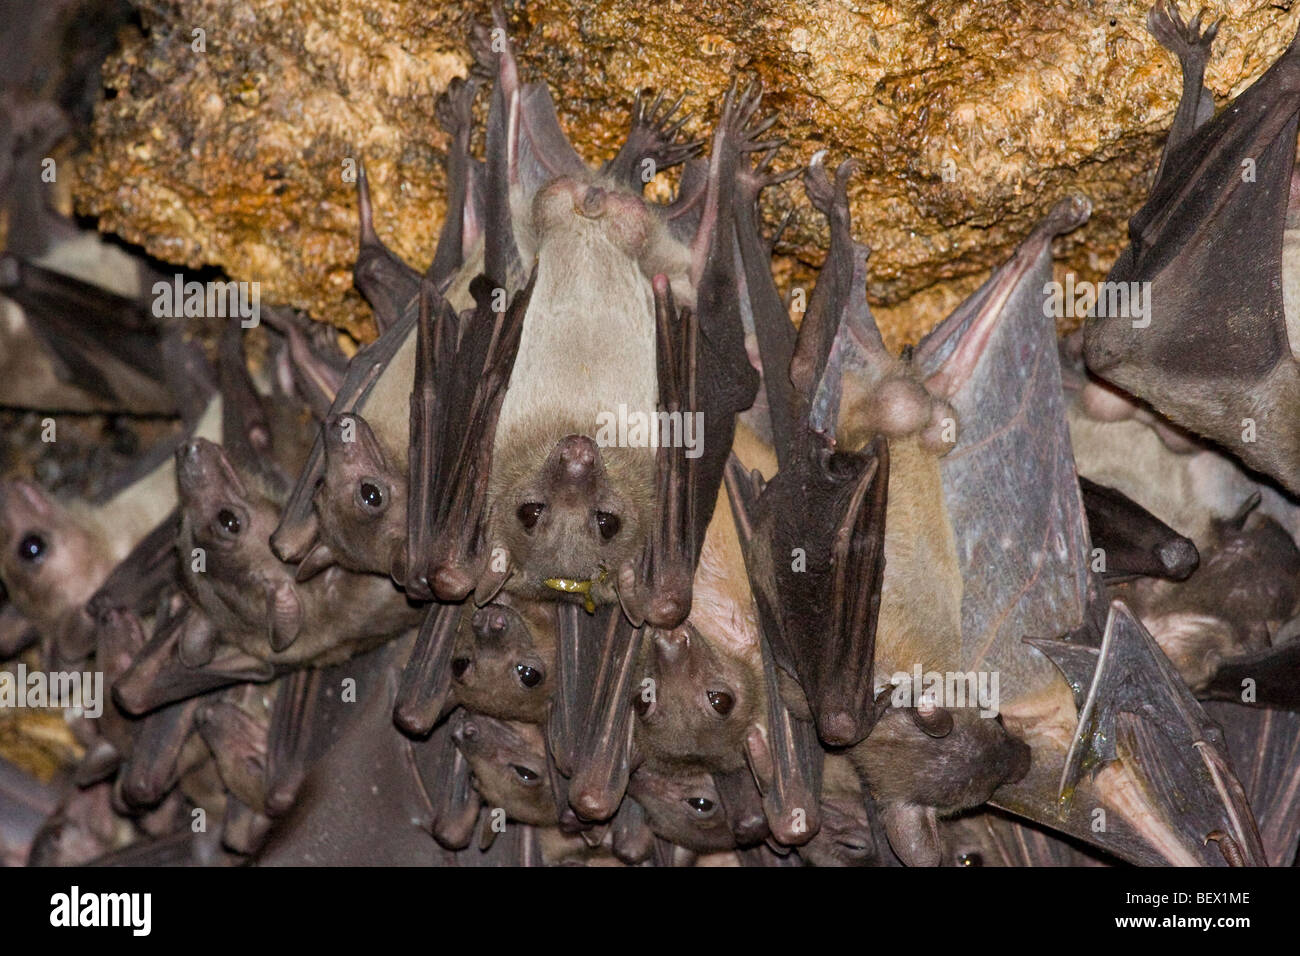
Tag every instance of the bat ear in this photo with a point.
(320, 558)
(913, 833)
(425, 687)
(198, 640)
(26, 495)
(497, 571)
(284, 615)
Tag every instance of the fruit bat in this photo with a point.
(566, 503)
(1134, 710)
(55, 555)
(1210, 255)
(70, 345)
(1226, 617)
(250, 616)
(817, 587)
(508, 760)
(376, 387)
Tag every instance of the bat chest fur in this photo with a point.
(588, 341)
(920, 598)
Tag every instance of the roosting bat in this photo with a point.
(568, 503)
(1211, 344)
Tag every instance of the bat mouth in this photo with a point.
(573, 586)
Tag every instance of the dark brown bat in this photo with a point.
(1134, 541)
(1220, 625)
(818, 586)
(1214, 351)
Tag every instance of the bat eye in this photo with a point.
(721, 701)
(970, 859)
(459, 666)
(703, 806)
(524, 774)
(528, 676)
(32, 548)
(528, 514)
(371, 496)
(229, 521)
(608, 524)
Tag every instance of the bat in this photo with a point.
(376, 387)
(562, 507)
(508, 761)
(1222, 624)
(817, 587)
(56, 554)
(1137, 716)
(1211, 351)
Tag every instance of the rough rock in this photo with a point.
(970, 118)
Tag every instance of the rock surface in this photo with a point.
(229, 122)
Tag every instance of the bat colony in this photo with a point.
(595, 556)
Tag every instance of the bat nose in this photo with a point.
(489, 623)
(578, 457)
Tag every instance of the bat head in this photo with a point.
(503, 665)
(576, 518)
(685, 809)
(701, 704)
(361, 502)
(50, 562)
(918, 768)
(226, 559)
(508, 760)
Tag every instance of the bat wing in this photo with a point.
(425, 688)
(603, 756)
(97, 340)
(456, 115)
(1134, 541)
(1267, 677)
(1138, 716)
(704, 376)
(1211, 350)
(158, 675)
(1009, 482)
(1265, 748)
(466, 403)
(379, 274)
